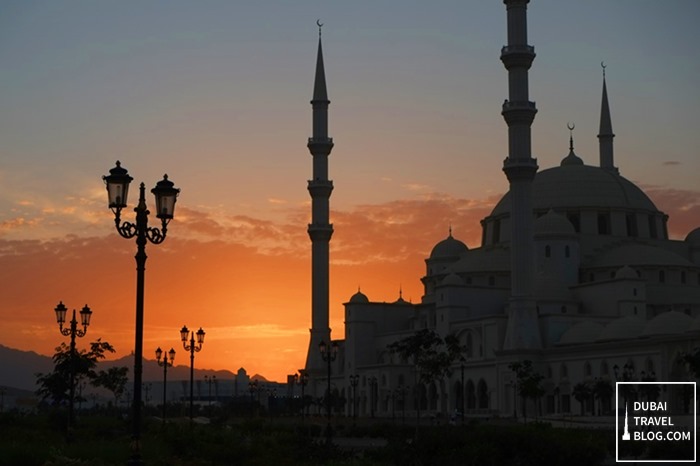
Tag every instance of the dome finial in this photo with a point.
(602, 65)
(449, 230)
(571, 127)
(320, 25)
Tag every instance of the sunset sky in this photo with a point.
(216, 94)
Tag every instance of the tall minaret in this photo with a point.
(522, 331)
(605, 134)
(320, 230)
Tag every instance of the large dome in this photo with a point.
(575, 185)
(448, 248)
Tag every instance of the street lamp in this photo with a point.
(372, 394)
(192, 347)
(461, 387)
(209, 381)
(354, 380)
(72, 331)
(328, 355)
(117, 183)
(167, 362)
(253, 388)
(303, 381)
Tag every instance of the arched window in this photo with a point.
(683, 276)
(567, 251)
(662, 276)
(547, 251)
(469, 345)
(587, 371)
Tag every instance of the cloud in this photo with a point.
(671, 162)
(681, 205)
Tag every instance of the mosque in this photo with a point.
(575, 273)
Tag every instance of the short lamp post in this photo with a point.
(372, 394)
(117, 183)
(167, 361)
(328, 354)
(303, 381)
(192, 347)
(72, 331)
(354, 380)
(209, 381)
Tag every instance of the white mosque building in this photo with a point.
(575, 272)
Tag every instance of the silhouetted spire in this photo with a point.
(605, 133)
(320, 92)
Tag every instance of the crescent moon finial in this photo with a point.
(571, 127)
(320, 25)
(602, 65)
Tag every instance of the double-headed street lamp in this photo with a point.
(72, 331)
(303, 381)
(354, 380)
(192, 347)
(117, 183)
(328, 355)
(165, 363)
(372, 394)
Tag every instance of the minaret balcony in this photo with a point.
(320, 188)
(518, 112)
(319, 146)
(517, 169)
(517, 56)
(320, 231)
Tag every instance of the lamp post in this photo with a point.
(514, 384)
(73, 331)
(303, 381)
(252, 388)
(372, 394)
(117, 183)
(209, 381)
(461, 387)
(167, 362)
(328, 355)
(192, 347)
(354, 380)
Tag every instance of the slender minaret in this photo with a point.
(605, 133)
(522, 331)
(320, 230)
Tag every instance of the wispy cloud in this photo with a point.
(671, 162)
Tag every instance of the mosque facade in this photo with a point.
(576, 272)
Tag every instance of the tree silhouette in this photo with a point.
(692, 361)
(114, 379)
(431, 356)
(582, 391)
(528, 382)
(55, 385)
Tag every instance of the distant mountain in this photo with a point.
(18, 369)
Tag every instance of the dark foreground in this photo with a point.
(104, 440)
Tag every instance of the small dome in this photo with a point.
(668, 323)
(571, 159)
(693, 238)
(452, 279)
(359, 297)
(626, 272)
(448, 248)
(553, 223)
(622, 329)
(583, 332)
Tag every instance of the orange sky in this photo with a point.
(216, 94)
(253, 301)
